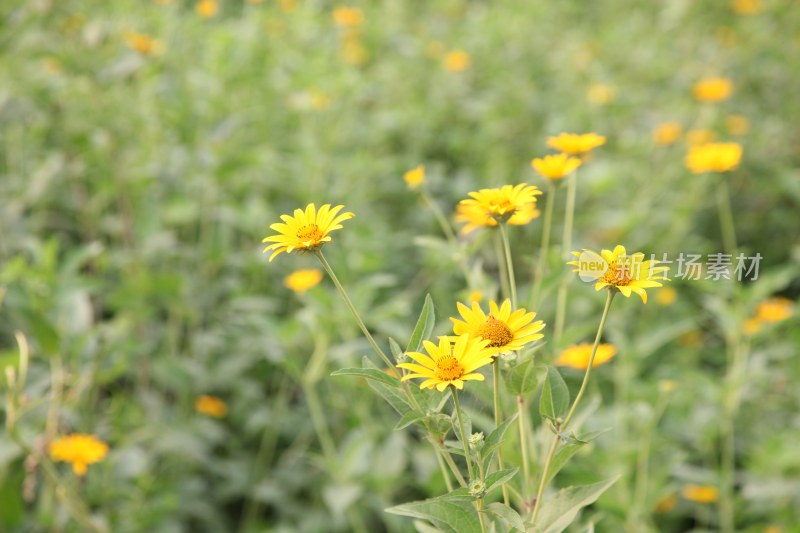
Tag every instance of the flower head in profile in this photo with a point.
(700, 493)
(456, 61)
(78, 449)
(415, 177)
(620, 272)
(578, 355)
(712, 89)
(555, 167)
(573, 143)
(667, 133)
(505, 330)
(503, 203)
(307, 230)
(302, 280)
(713, 157)
(475, 217)
(211, 406)
(452, 362)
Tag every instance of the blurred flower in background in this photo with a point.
(415, 177)
(143, 43)
(713, 157)
(211, 406)
(555, 167)
(667, 133)
(302, 280)
(746, 7)
(573, 143)
(712, 89)
(456, 61)
(78, 449)
(577, 356)
(207, 8)
(700, 493)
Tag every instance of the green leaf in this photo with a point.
(369, 373)
(566, 451)
(495, 479)
(440, 425)
(396, 350)
(450, 516)
(408, 419)
(507, 515)
(424, 326)
(555, 396)
(560, 511)
(494, 440)
(393, 394)
(523, 378)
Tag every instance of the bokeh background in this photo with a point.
(146, 146)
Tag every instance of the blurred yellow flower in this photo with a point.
(667, 385)
(415, 177)
(573, 143)
(773, 529)
(713, 157)
(619, 271)
(737, 124)
(666, 296)
(255, 2)
(348, 17)
(712, 89)
(775, 309)
(207, 8)
(78, 449)
(144, 44)
(475, 296)
(667, 133)
(211, 406)
(555, 167)
(502, 203)
(305, 231)
(476, 217)
(751, 326)
(456, 61)
(302, 280)
(52, 65)
(746, 7)
(452, 362)
(578, 355)
(666, 504)
(353, 52)
(698, 137)
(700, 493)
(601, 94)
(287, 6)
(505, 330)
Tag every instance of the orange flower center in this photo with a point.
(617, 275)
(448, 368)
(495, 331)
(309, 233)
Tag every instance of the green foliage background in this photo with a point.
(136, 189)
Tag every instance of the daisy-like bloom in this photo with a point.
(555, 167)
(476, 217)
(78, 449)
(573, 143)
(207, 8)
(667, 133)
(456, 61)
(618, 271)
(302, 280)
(737, 124)
(415, 177)
(713, 157)
(348, 17)
(712, 89)
(700, 493)
(775, 309)
(505, 331)
(501, 204)
(211, 406)
(307, 230)
(578, 355)
(452, 362)
(144, 44)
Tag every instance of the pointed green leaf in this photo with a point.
(448, 515)
(495, 479)
(424, 326)
(396, 350)
(494, 440)
(408, 419)
(559, 511)
(523, 378)
(507, 515)
(369, 373)
(566, 451)
(554, 403)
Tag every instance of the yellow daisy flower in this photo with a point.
(476, 217)
(573, 143)
(775, 309)
(305, 231)
(78, 449)
(302, 280)
(667, 133)
(713, 157)
(211, 406)
(501, 204)
(505, 331)
(700, 493)
(619, 271)
(555, 167)
(415, 177)
(456, 61)
(712, 89)
(578, 355)
(452, 362)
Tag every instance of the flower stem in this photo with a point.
(566, 246)
(352, 309)
(463, 430)
(448, 232)
(509, 266)
(726, 223)
(497, 417)
(571, 413)
(523, 444)
(737, 364)
(445, 474)
(538, 273)
(501, 266)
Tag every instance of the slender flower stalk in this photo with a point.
(538, 273)
(523, 444)
(448, 233)
(463, 431)
(566, 246)
(497, 418)
(509, 265)
(501, 266)
(726, 223)
(571, 412)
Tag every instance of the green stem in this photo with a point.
(509, 265)
(453, 468)
(538, 273)
(643, 467)
(448, 232)
(318, 421)
(501, 266)
(571, 413)
(463, 431)
(445, 474)
(497, 418)
(523, 444)
(726, 222)
(566, 248)
(737, 363)
(352, 309)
